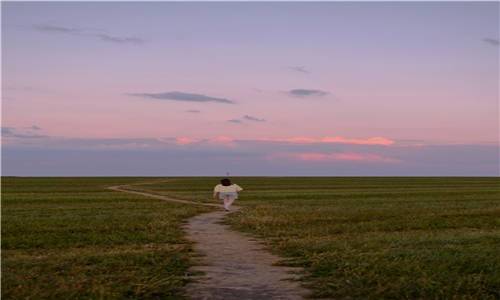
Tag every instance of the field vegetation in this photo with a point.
(373, 238)
(71, 238)
(369, 238)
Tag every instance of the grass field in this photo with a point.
(70, 238)
(373, 237)
(370, 238)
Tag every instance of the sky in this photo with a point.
(250, 88)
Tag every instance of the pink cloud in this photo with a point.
(336, 139)
(312, 156)
(366, 157)
(128, 146)
(229, 141)
(370, 141)
(222, 140)
(185, 141)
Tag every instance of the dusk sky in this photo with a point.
(262, 88)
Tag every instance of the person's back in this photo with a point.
(228, 189)
(227, 192)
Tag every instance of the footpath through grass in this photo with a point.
(71, 238)
(373, 238)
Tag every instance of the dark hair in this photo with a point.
(225, 182)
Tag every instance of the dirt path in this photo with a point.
(234, 266)
(121, 188)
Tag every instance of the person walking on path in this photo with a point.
(227, 192)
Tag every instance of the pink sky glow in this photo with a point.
(189, 88)
(366, 157)
(229, 141)
(185, 141)
(336, 139)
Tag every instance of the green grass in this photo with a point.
(70, 238)
(357, 238)
(373, 238)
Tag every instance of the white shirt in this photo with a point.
(227, 189)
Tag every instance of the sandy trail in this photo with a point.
(234, 266)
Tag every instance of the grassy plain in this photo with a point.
(71, 238)
(373, 238)
(369, 238)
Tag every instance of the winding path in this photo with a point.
(234, 266)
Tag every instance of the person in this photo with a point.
(227, 192)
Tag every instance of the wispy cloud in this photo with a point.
(88, 32)
(24, 156)
(61, 29)
(10, 132)
(493, 42)
(290, 142)
(370, 141)
(143, 158)
(118, 39)
(225, 141)
(181, 96)
(7, 131)
(194, 111)
(34, 127)
(300, 69)
(363, 157)
(186, 141)
(235, 121)
(302, 93)
(335, 139)
(250, 118)
(23, 88)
